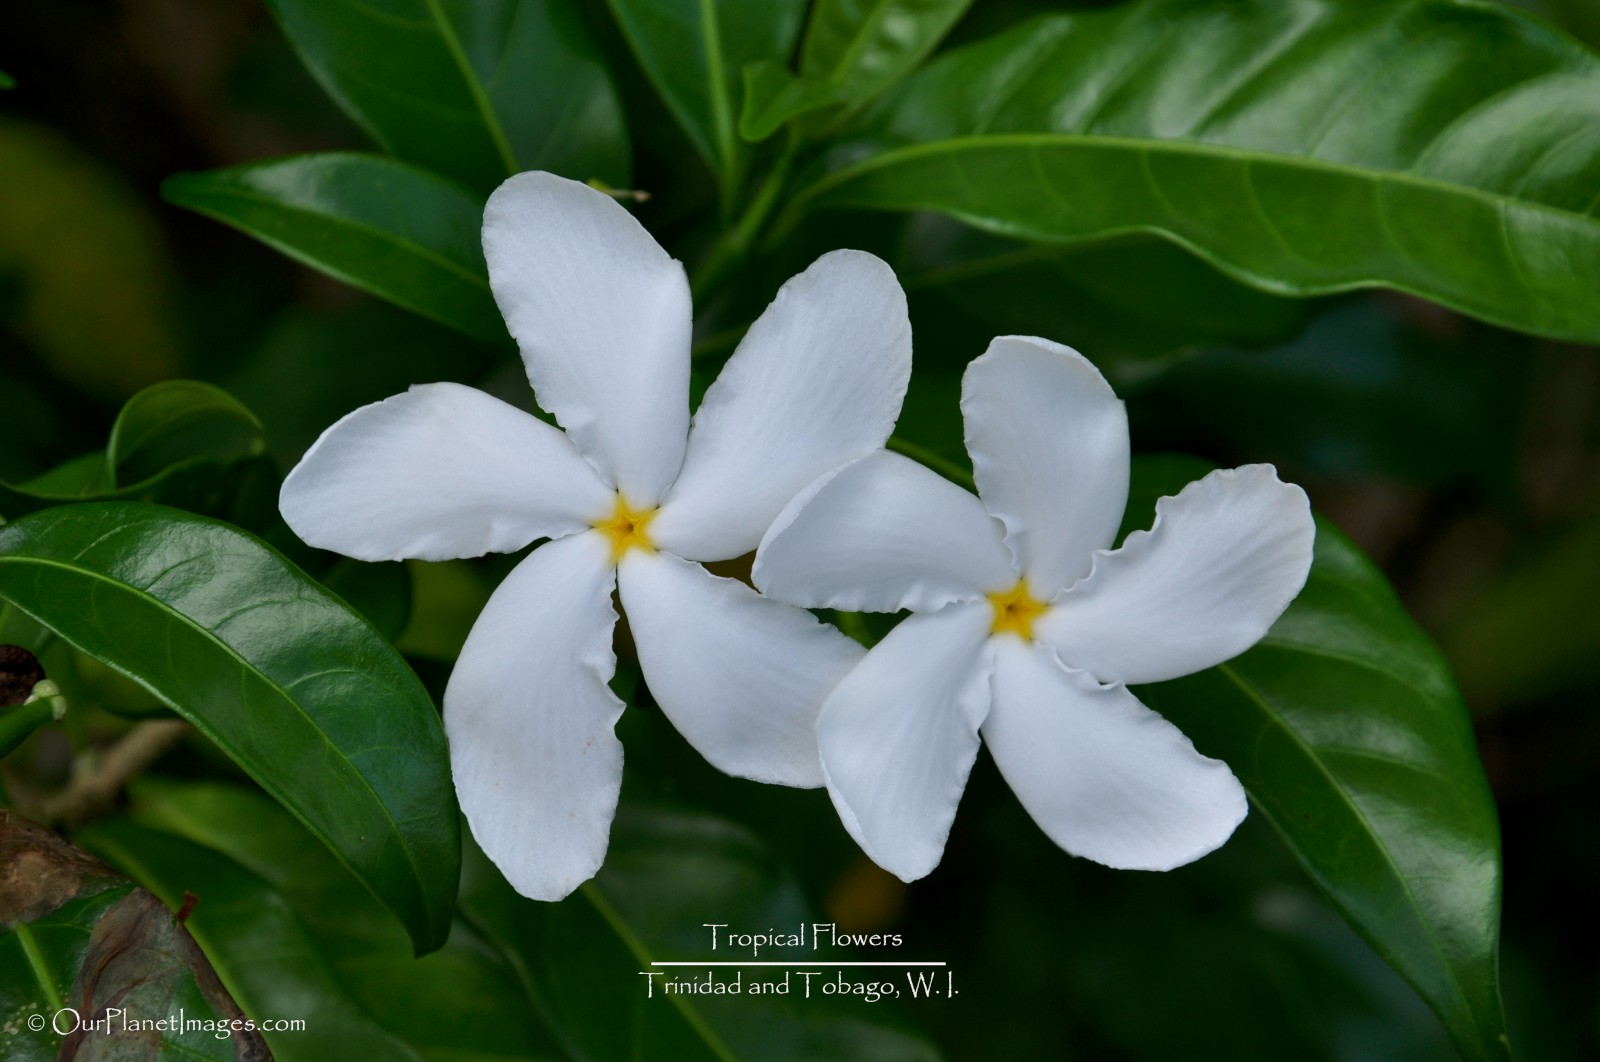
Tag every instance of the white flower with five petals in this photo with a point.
(631, 496)
(1027, 626)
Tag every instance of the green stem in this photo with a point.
(41, 972)
(18, 723)
(729, 252)
(944, 466)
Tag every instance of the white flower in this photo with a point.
(630, 497)
(1027, 625)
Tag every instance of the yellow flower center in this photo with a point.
(627, 528)
(1015, 610)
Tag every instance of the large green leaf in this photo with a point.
(1444, 148)
(301, 692)
(475, 89)
(854, 49)
(694, 53)
(1345, 726)
(399, 232)
(667, 873)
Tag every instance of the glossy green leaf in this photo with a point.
(667, 873)
(257, 945)
(459, 1002)
(1447, 149)
(299, 691)
(694, 52)
(388, 228)
(853, 50)
(1345, 726)
(474, 89)
(179, 442)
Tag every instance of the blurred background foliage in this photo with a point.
(1463, 458)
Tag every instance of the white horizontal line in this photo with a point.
(819, 963)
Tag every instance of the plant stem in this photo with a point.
(17, 723)
(945, 467)
(730, 250)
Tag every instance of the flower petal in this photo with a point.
(537, 766)
(817, 381)
(879, 535)
(1049, 446)
(741, 677)
(1104, 776)
(602, 315)
(439, 472)
(899, 734)
(1224, 559)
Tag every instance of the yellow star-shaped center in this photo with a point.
(627, 528)
(1015, 610)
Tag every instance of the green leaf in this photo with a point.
(694, 53)
(7, 81)
(258, 947)
(176, 421)
(773, 96)
(179, 442)
(1346, 728)
(461, 1001)
(474, 89)
(860, 47)
(854, 49)
(299, 691)
(1447, 149)
(391, 229)
(666, 873)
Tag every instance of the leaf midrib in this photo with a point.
(1202, 149)
(209, 732)
(480, 99)
(641, 954)
(1405, 884)
(721, 107)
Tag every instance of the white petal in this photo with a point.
(817, 381)
(537, 766)
(1104, 776)
(879, 535)
(1224, 559)
(899, 734)
(741, 677)
(601, 313)
(440, 472)
(1049, 446)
